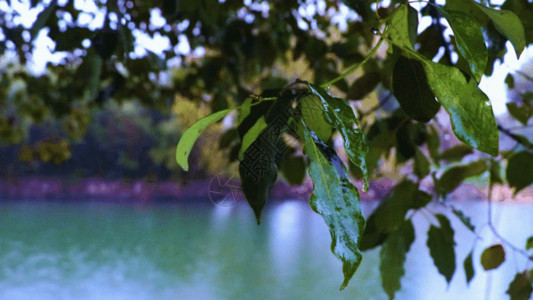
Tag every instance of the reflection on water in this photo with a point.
(99, 251)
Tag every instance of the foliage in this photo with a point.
(249, 49)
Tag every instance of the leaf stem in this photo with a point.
(354, 67)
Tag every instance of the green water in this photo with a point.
(103, 251)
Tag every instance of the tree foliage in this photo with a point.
(286, 121)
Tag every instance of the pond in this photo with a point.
(110, 251)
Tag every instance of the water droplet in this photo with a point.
(375, 31)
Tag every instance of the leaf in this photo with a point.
(509, 80)
(313, 116)
(456, 175)
(441, 247)
(400, 31)
(469, 39)
(522, 114)
(469, 108)
(433, 143)
(245, 110)
(521, 287)
(293, 168)
(340, 115)
(529, 243)
(392, 257)
(390, 214)
(421, 167)
(508, 24)
(42, 18)
(519, 170)
(456, 153)
(464, 219)
(251, 135)
(190, 135)
(468, 265)
(337, 201)
(412, 91)
(364, 85)
(492, 257)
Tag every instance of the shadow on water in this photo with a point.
(104, 251)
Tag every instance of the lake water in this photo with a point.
(107, 251)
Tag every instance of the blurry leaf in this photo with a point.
(522, 114)
(469, 39)
(251, 135)
(189, 137)
(468, 265)
(421, 167)
(400, 31)
(495, 171)
(433, 142)
(313, 116)
(529, 243)
(293, 168)
(509, 80)
(42, 18)
(464, 219)
(519, 170)
(337, 201)
(441, 247)
(412, 91)
(469, 108)
(508, 24)
(456, 153)
(364, 85)
(228, 138)
(429, 42)
(492, 257)
(454, 176)
(245, 110)
(340, 115)
(392, 257)
(521, 287)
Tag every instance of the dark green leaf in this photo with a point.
(364, 85)
(529, 243)
(337, 201)
(392, 257)
(492, 257)
(455, 175)
(421, 167)
(521, 287)
(509, 80)
(508, 24)
(293, 168)
(433, 142)
(42, 18)
(519, 170)
(469, 108)
(522, 114)
(495, 177)
(464, 219)
(314, 118)
(340, 115)
(189, 137)
(468, 265)
(441, 247)
(456, 153)
(412, 91)
(469, 39)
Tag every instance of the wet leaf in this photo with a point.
(519, 170)
(441, 247)
(412, 91)
(492, 257)
(468, 265)
(392, 257)
(521, 287)
(469, 108)
(313, 117)
(337, 201)
(190, 136)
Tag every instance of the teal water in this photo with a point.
(105, 251)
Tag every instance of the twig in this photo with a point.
(515, 137)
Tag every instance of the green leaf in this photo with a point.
(189, 137)
(508, 24)
(340, 115)
(521, 287)
(464, 219)
(433, 142)
(400, 31)
(522, 114)
(42, 18)
(337, 201)
(421, 167)
(519, 170)
(245, 110)
(529, 243)
(364, 85)
(441, 247)
(412, 91)
(456, 153)
(509, 80)
(251, 135)
(456, 175)
(469, 108)
(492, 257)
(469, 39)
(314, 118)
(392, 257)
(293, 168)
(468, 265)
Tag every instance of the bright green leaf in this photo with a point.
(400, 31)
(468, 266)
(392, 257)
(412, 91)
(519, 171)
(337, 201)
(469, 108)
(469, 39)
(492, 257)
(313, 117)
(340, 115)
(189, 137)
(521, 287)
(456, 175)
(508, 24)
(251, 135)
(245, 110)
(441, 247)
